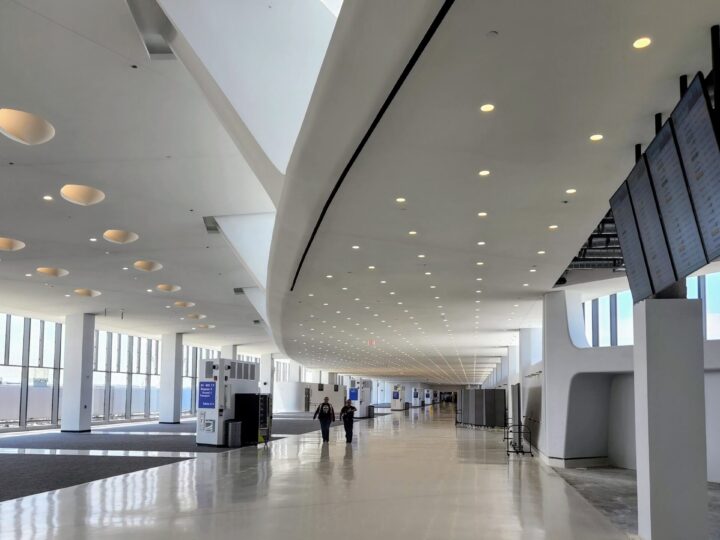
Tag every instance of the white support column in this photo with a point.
(78, 372)
(332, 377)
(228, 352)
(670, 419)
(267, 374)
(171, 378)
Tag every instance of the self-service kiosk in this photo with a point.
(398, 398)
(360, 393)
(416, 399)
(218, 382)
(428, 397)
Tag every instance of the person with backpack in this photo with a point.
(347, 415)
(326, 414)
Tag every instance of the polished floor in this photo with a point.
(407, 475)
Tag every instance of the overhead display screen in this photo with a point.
(700, 152)
(650, 227)
(673, 198)
(636, 269)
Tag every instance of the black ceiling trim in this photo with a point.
(386, 104)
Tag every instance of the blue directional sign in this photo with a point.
(354, 394)
(206, 395)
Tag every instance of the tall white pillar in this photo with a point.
(267, 374)
(171, 378)
(228, 352)
(78, 372)
(670, 419)
(332, 377)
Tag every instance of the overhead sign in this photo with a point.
(206, 395)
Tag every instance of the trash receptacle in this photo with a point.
(234, 430)
(407, 406)
(371, 411)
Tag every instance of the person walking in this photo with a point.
(347, 415)
(326, 414)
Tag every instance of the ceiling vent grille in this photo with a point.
(211, 224)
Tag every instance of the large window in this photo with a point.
(609, 319)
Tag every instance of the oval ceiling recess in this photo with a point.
(167, 287)
(52, 271)
(10, 244)
(24, 127)
(118, 236)
(81, 195)
(184, 304)
(90, 293)
(147, 266)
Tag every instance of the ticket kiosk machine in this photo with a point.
(398, 398)
(219, 380)
(360, 393)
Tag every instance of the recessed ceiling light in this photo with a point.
(421, 256)
(433, 286)
(480, 263)
(516, 305)
(356, 247)
(641, 43)
(383, 282)
(400, 200)
(93, 239)
(412, 233)
(541, 252)
(552, 227)
(81, 195)
(167, 287)
(344, 288)
(484, 172)
(148, 290)
(478, 292)
(311, 294)
(52, 272)
(147, 266)
(329, 276)
(526, 284)
(533, 270)
(596, 137)
(118, 236)
(47, 197)
(28, 275)
(481, 243)
(428, 273)
(67, 296)
(371, 267)
(10, 244)
(487, 107)
(571, 191)
(482, 214)
(478, 279)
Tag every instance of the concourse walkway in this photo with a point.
(407, 475)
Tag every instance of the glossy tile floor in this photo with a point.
(407, 475)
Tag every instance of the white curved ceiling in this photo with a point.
(556, 72)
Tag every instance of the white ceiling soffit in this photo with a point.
(557, 73)
(250, 236)
(264, 55)
(146, 137)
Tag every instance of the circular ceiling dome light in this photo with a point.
(641, 43)
(52, 272)
(167, 287)
(196, 316)
(147, 266)
(596, 137)
(81, 195)
(24, 127)
(184, 304)
(10, 244)
(488, 107)
(205, 326)
(90, 293)
(118, 236)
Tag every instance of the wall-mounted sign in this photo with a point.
(396, 395)
(354, 394)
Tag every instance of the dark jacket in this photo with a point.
(325, 412)
(348, 413)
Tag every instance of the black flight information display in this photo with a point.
(652, 236)
(697, 141)
(673, 199)
(630, 245)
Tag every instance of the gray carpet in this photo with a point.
(614, 492)
(182, 427)
(26, 474)
(98, 440)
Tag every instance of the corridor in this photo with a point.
(407, 475)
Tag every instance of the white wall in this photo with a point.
(621, 426)
(290, 396)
